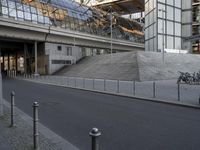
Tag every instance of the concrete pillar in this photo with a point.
(1, 93)
(8, 61)
(3, 62)
(25, 63)
(16, 67)
(36, 66)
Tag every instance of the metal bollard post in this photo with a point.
(68, 82)
(118, 90)
(95, 135)
(75, 82)
(93, 84)
(84, 83)
(154, 89)
(178, 91)
(104, 84)
(12, 112)
(199, 99)
(35, 126)
(134, 88)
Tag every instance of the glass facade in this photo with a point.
(163, 20)
(196, 25)
(71, 15)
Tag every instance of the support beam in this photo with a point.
(25, 63)
(16, 67)
(1, 92)
(3, 62)
(36, 58)
(8, 61)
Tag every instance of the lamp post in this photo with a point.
(163, 42)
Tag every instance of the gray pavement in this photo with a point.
(126, 123)
(20, 137)
(165, 90)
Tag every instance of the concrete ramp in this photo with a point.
(151, 66)
(142, 66)
(122, 66)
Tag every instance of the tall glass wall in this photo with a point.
(150, 25)
(163, 14)
(71, 15)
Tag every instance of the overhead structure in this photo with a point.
(120, 6)
(73, 16)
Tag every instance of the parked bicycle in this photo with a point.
(188, 78)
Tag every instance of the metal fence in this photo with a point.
(165, 90)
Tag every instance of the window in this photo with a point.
(170, 13)
(59, 48)
(170, 27)
(170, 2)
(160, 13)
(178, 15)
(61, 61)
(170, 42)
(178, 3)
(69, 51)
(177, 43)
(160, 26)
(160, 42)
(177, 29)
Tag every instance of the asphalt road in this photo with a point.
(126, 124)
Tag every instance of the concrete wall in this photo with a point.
(60, 55)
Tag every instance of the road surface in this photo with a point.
(126, 124)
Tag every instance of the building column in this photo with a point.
(3, 62)
(25, 63)
(1, 93)
(16, 67)
(36, 58)
(8, 61)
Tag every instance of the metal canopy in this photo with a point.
(121, 6)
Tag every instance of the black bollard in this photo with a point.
(95, 138)
(35, 126)
(12, 113)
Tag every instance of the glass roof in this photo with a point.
(72, 15)
(67, 4)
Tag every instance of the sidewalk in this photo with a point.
(166, 91)
(20, 137)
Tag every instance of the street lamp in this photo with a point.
(163, 42)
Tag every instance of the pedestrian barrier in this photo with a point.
(147, 89)
(95, 134)
(12, 113)
(35, 126)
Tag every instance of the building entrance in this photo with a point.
(16, 58)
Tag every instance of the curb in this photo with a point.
(176, 103)
(47, 133)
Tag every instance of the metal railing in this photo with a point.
(165, 90)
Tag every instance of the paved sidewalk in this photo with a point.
(20, 137)
(165, 90)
